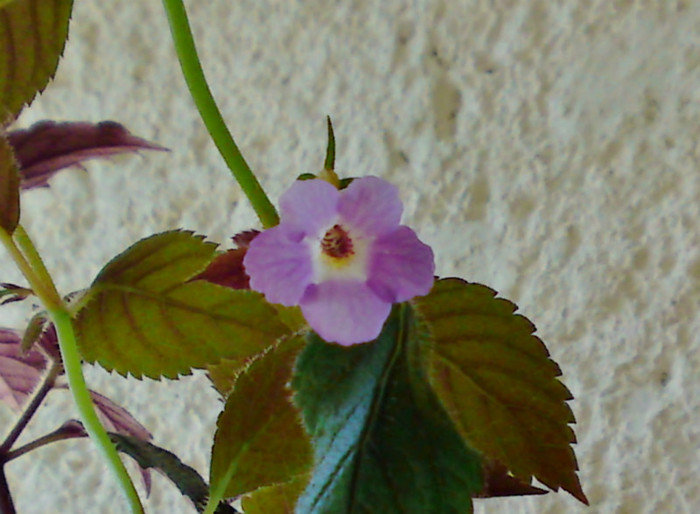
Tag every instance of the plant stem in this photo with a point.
(41, 290)
(30, 253)
(71, 362)
(6, 505)
(60, 434)
(211, 116)
(31, 408)
(30, 264)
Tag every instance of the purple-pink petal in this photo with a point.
(401, 266)
(344, 312)
(279, 265)
(371, 205)
(309, 205)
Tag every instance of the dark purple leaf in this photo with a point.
(117, 419)
(243, 239)
(227, 270)
(20, 372)
(74, 428)
(499, 482)
(48, 146)
(13, 293)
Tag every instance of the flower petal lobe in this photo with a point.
(309, 205)
(371, 205)
(344, 312)
(279, 265)
(401, 266)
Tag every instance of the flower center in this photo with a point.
(336, 243)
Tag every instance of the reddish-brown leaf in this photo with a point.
(47, 147)
(497, 382)
(499, 482)
(20, 372)
(118, 419)
(227, 270)
(32, 36)
(13, 293)
(9, 187)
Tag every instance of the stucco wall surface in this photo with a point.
(545, 148)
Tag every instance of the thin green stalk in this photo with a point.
(29, 250)
(217, 494)
(201, 94)
(71, 362)
(29, 263)
(40, 289)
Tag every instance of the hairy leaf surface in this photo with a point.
(145, 317)
(497, 382)
(382, 442)
(259, 439)
(32, 36)
(9, 187)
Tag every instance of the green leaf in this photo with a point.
(259, 439)
(32, 36)
(497, 382)
(186, 479)
(382, 443)
(9, 187)
(275, 499)
(145, 317)
(35, 328)
(224, 373)
(329, 163)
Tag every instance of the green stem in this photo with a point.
(201, 94)
(34, 259)
(41, 290)
(28, 261)
(72, 364)
(217, 494)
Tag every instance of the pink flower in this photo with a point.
(342, 256)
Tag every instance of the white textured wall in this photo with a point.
(545, 148)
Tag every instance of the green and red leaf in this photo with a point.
(497, 382)
(259, 439)
(33, 34)
(277, 499)
(185, 478)
(145, 317)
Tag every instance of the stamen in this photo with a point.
(337, 243)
